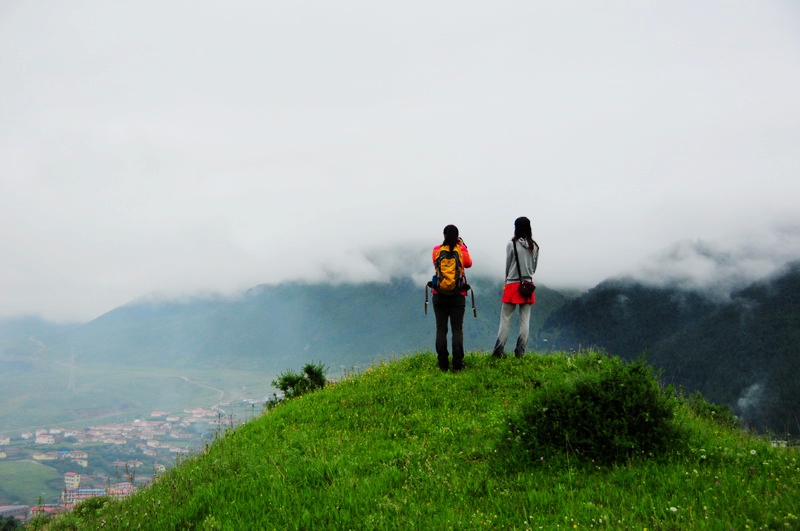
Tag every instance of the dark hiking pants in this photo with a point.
(450, 308)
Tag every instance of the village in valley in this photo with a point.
(119, 458)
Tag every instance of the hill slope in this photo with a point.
(404, 446)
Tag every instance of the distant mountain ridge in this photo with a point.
(743, 351)
(133, 358)
(151, 354)
(333, 323)
(20, 328)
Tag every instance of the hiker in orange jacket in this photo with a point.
(450, 307)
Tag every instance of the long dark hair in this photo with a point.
(523, 231)
(450, 236)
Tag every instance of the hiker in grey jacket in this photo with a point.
(523, 247)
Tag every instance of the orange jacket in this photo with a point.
(466, 259)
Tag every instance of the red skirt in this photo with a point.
(511, 295)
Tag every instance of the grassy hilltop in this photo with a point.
(560, 441)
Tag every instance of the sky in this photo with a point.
(175, 148)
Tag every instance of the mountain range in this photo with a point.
(739, 350)
(159, 354)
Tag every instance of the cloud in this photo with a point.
(723, 267)
(181, 148)
(750, 401)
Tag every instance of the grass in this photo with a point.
(405, 446)
(28, 480)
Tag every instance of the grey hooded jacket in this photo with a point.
(527, 261)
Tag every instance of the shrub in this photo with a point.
(88, 508)
(9, 523)
(716, 413)
(606, 416)
(293, 384)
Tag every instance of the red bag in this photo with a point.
(526, 289)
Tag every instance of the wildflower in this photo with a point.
(673, 509)
(752, 452)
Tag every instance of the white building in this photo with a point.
(72, 480)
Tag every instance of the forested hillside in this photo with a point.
(742, 350)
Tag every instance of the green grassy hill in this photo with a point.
(405, 446)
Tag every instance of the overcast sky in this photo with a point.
(194, 146)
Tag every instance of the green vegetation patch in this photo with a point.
(23, 480)
(607, 411)
(405, 446)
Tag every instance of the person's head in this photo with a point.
(450, 236)
(522, 229)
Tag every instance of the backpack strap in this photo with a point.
(516, 257)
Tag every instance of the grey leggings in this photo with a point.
(505, 327)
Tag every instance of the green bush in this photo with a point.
(606, 415)
(293, 384)
(89, 508)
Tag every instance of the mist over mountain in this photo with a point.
(159, 353)
(721, 267)
(742, 349)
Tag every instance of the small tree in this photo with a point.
(293, 384)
